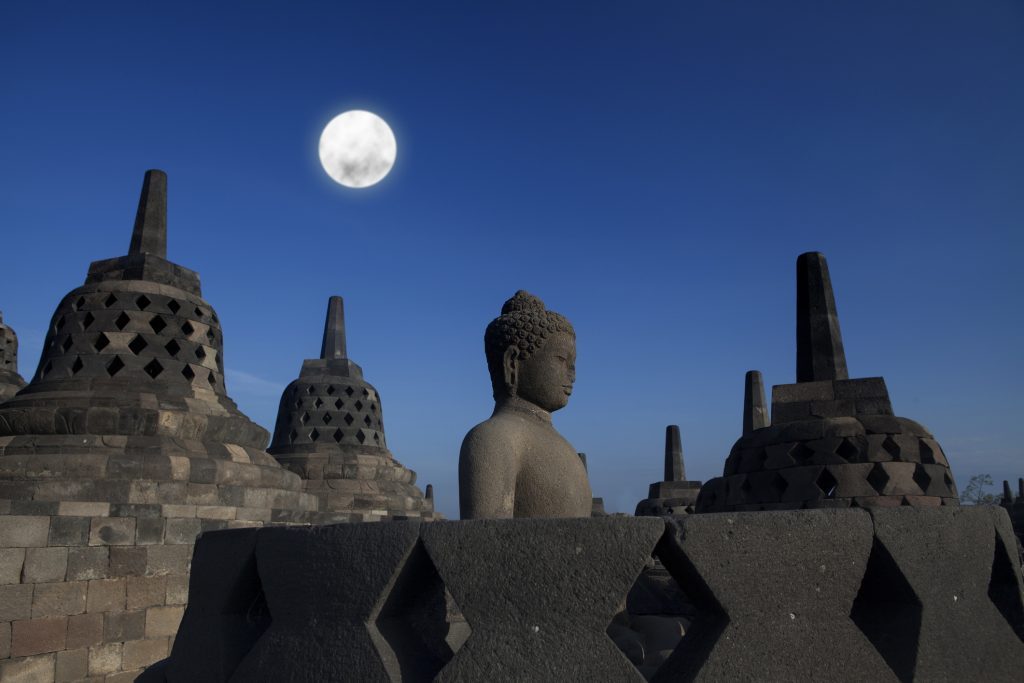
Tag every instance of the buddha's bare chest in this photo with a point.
(552, 481)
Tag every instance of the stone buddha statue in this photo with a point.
(516, 464)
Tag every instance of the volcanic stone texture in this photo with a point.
(899, 594)
(330, 431)
(121, 450)
(10, 381)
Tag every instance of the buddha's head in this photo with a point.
(531, 353)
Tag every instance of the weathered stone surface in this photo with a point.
(516, 464)
(675, 495)
(10, 381)
(565, 598)
(773, 594)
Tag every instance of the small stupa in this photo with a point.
(330, 431)
(832, 441)
(675, 495)
(121, 450)
(10, 381)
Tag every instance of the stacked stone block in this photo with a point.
(10, 381)
(123, 448)
(832, 441)
(330, 431)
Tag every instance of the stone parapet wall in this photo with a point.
(901, 594)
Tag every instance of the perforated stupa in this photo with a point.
(10, 381)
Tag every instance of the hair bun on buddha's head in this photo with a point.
(522, 301)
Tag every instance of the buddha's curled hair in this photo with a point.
(525, 323)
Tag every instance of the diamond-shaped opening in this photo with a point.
(418, 628)
(187, 372)
(310, 389)
(137, 345)
(317, 403)
(338, 435)
(305, 418)
(59, 325)
(373, 407)
(216, 359)
(367, 421)
(349, 390)
(79, 303)
(349, 419)
(199, 313)
(77, 366)
(110, 301)
(68, 342)
(173, 306)
(292, 436)
(210, 336)
(157, 323)
(338, 404)
(115, 366)
(314, 435)
(330, 390)
(361, 436)
(187, 329)
(172, 348)
(1003, 589)
(153, 368)
(779, 484)
(327, 418)
(101, 342)
(927, 454)
(878, 478)
(671, 619)
(891, 447)
(801, 452)
(47, 368)
(376, 437)
(212, 379)
(143, 302)
(888, 612)
(922, 478)
(847, 450)
(200, 352)
(366, 394)
(827, 483)
(122, 321)
(359, 405)
(88, 320)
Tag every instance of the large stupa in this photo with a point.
(832, 441)
(123, 447)
(330, 431)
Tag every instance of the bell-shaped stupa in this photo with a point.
(330, 431)
(10, 381)
(675, 495)
(832, 441)
(120, 451)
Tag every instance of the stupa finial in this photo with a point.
(819, 344)
(334, 331)
(1007, 493)
(674, 468)
(755, 408)
(150, 233)
(429, 495)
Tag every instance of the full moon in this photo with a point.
(357, 149)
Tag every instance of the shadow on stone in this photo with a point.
(417, 621)
(888, 612)
(1004, 589)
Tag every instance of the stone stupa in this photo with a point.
(832, 441)
(330, 431)
(124, 447)
(10, 381)
(675, 495)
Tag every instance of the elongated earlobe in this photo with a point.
(510, 364)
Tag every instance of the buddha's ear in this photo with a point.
(510, 366)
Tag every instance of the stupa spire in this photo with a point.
(334, 346)
(819, 344)
(150, 233)
(755, 408)
(674, 468)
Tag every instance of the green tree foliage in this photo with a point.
(974, 493)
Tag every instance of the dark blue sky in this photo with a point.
(651, 170)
